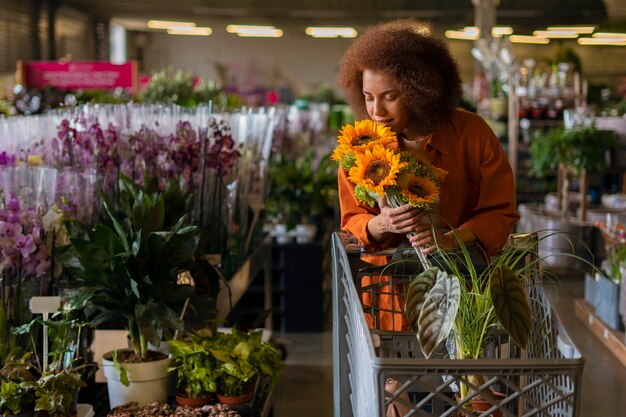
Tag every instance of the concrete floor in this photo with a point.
(306, 388)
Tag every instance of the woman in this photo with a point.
(401, 75)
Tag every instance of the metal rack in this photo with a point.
(544, 380)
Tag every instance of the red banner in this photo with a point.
(78, 75)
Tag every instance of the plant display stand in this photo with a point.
(260, 261)
(545, 379)
(614, 340)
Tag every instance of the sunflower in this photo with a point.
(420, 166)
(420, 191)
(344, 156)
(376, 169)
(365, 134)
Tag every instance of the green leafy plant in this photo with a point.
(195, 366)
(470, 302)
(27, 385)
(241, 358)
(183, 88)
(576, 151)
(129, 268)
(17, 389)
(301, 187)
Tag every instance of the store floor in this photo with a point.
(306, 388)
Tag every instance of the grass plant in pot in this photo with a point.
(487, 300)
(129, 267)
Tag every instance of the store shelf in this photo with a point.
(296, 289)
(612, 339)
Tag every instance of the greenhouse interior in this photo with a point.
(289, 208)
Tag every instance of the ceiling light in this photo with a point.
(602, 41)
(260, 33)
(528, 39)
(331, 32)
(609, 35)
(197, 31)
(583, 30)
(237, 28)
(499, 31)
(467, 34)
(167, 24)
(557, 34)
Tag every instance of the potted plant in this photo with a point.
(575, 151)
(129, 268)
(489, 299)
(17, 387)
(244, 361)
(302, 186)
(196, 370)
(50, 385)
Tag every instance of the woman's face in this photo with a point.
(384, 102)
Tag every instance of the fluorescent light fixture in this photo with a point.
(330, 32)
(528, 39)
(260, 33)
(582, 30)
(237, 28)
(197, 31)
(167, 24)
(556, 34)
(602, 41)
(472, 31)
(467, 34)
(499, 31)
(609, 35)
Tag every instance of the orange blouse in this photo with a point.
(478, 193)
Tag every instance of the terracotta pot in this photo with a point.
(242, 399)
(194, 402)
(484, 405)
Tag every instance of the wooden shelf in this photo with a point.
(613, 340)
(259, 262)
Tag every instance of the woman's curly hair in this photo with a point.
(410, 53)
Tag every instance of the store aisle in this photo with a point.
(604, 377)
(306, 387)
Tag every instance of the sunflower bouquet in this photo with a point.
(369, 152)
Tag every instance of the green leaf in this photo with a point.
(119, 368)
(511, 304)
(108, 240)
(91, 256)
(121, 233)
(417, 292)
(146, 216)
(438, 313)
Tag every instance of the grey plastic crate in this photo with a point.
(543, 380)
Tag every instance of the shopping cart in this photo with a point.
(543, 380)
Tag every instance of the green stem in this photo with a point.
(394, 201)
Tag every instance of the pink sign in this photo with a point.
(79, 75)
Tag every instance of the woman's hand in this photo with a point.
(423, 238)
(403, 219)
